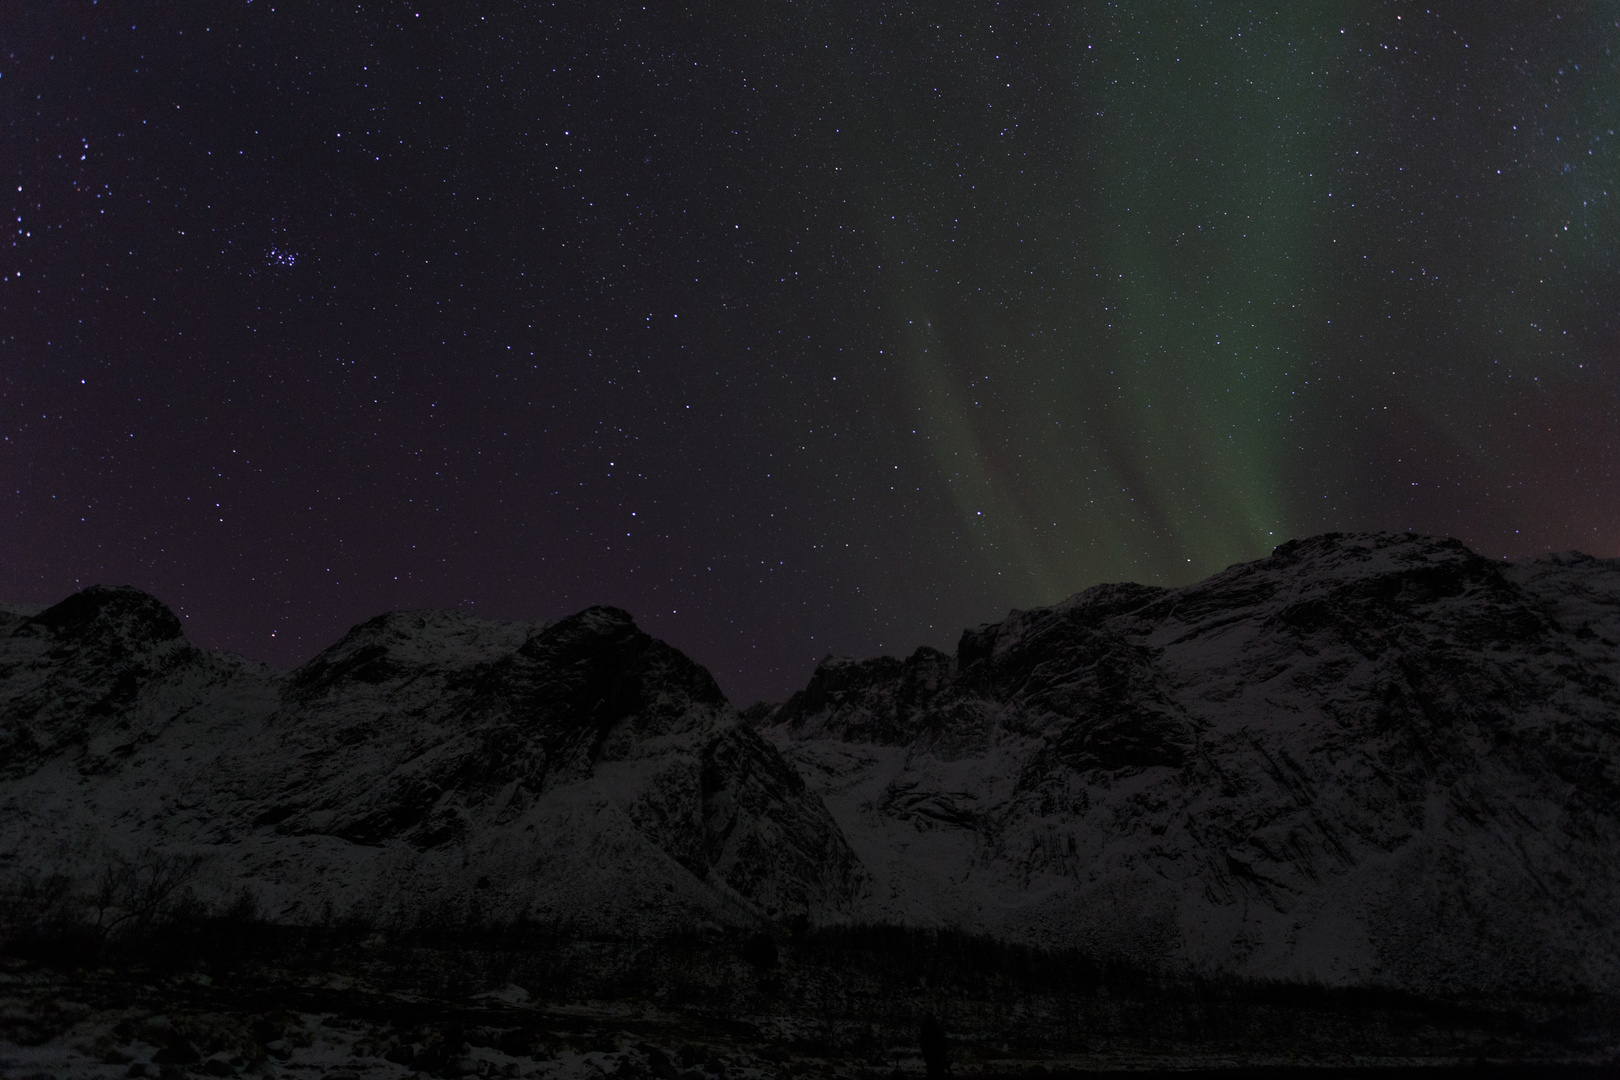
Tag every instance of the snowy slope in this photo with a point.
(428, 765)
(1375, 758)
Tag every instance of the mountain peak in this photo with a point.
(121, 610)
(409, 641)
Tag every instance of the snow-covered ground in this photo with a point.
(698, 1015)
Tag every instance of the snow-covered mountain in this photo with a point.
(428, 765)
(1374, 759)
(1366, 759)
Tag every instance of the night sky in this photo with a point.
(793, 328)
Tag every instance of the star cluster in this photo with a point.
(792, 328)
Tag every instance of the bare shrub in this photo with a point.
(135, 895)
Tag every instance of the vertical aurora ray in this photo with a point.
(1099, 326)
(1214, 142)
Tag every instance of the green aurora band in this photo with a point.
(1121, 279)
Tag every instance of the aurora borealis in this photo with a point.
(793, 328)
(1274, 277)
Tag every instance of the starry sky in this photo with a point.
(794, 328)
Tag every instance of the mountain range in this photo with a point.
(1368, 759)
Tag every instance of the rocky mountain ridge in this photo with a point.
(1371, 759)
(428, 765)
(1365, 759)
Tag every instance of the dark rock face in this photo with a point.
(882, 700)
(526, 711)
(97, 663)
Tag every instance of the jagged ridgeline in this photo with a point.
(1367, 760)
(429, 765)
